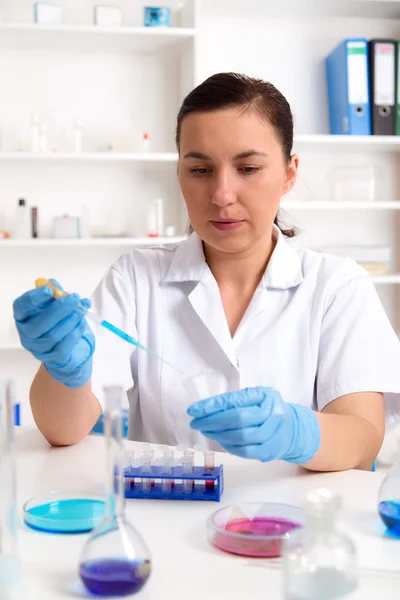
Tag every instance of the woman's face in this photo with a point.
(232, 173)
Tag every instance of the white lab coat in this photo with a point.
(315, 330)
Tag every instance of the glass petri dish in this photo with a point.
(254, 529)
(64, 512)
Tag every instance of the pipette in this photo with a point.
(57, 293)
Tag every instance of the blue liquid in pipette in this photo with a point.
(132, 340)
(389, 511)
(120, 333)
(114, 576)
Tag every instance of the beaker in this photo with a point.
(389, 500)
(9, 563)
(115, 560)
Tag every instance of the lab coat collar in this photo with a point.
(283, 271)
(188, 262)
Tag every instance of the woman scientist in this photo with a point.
(298, 341)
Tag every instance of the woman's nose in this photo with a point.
(223, 192)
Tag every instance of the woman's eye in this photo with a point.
(249, 170)
(200, 170)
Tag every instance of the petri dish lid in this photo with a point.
(256, 529)
(64, 512)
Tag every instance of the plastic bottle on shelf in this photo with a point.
(146, 143)
(78, 135)
(155, 218)
(35, 133)
(22, 225)
(170, 231)
(43, 138)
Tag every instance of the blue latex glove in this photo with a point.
(56, 333)
(257, 423)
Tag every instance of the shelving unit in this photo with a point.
(373, 143)
(123, 242)
(74, 38)
(344, 205)
(340, 143)
(131, 157)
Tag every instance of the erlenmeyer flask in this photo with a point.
(389, 500)
(115, 560)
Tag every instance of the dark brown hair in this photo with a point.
(226, 90)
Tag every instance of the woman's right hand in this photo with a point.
(57, 333)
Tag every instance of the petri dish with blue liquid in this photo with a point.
(64, 512)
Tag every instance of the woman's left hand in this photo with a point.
(257, 423)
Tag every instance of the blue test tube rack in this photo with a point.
(199, 475)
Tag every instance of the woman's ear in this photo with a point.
(291, 174)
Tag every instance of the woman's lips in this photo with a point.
(227, 225)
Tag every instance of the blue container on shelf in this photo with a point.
(157, 16)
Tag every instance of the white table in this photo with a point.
(185, 565)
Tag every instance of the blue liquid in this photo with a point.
(66, 516)
(114, 577)
(132, 340)
(389, 512)
(120, 333)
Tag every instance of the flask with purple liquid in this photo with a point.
(115, 560)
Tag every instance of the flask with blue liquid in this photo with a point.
(389, 500)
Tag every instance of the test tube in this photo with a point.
(209, 464)
(146, 469)
(169, 456)
(148, 455)
(166, 484)
(131, 464)
(187, 467)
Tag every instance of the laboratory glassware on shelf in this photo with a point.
(115, 560)
(319, 560)
(389, 500)
(57, 293)
(9, 560)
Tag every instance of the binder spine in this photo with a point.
(397, 83)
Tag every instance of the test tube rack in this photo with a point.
(208, 484)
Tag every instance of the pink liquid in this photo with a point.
(259, 526)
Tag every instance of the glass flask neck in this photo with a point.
(320, 523)
(115, 495)
(8, 517)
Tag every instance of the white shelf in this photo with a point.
(316, 143)
(91, 37)
(132, 242)
(384, 143)
(387, 279)
(331, 205)
(144, 157)
(304, 9)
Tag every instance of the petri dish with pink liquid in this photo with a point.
(254, 529)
